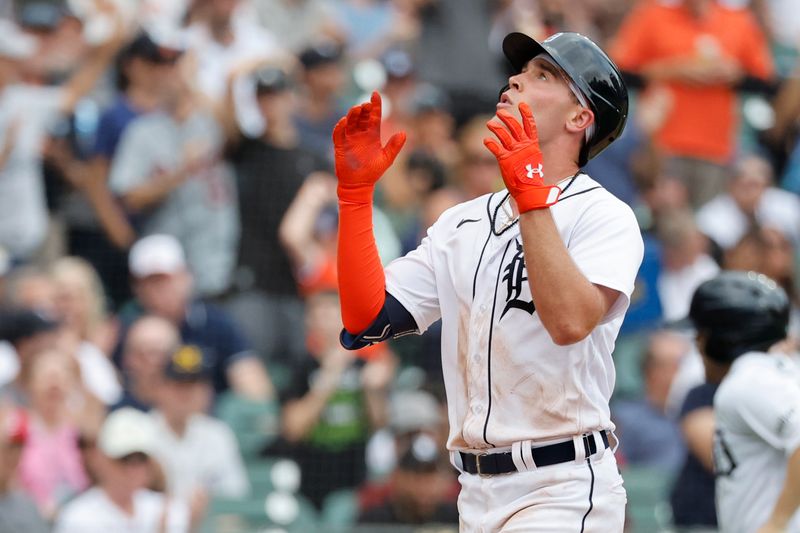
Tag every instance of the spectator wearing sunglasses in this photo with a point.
(120, 500)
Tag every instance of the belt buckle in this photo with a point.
(478, 464)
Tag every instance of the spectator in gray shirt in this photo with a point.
(171, 178)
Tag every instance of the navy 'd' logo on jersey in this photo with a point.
(515, 275)
(724, 462)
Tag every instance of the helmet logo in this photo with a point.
(537, 171)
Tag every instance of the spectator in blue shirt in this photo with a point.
(647, 435)
(692, 497)
(103, 233)
(162, 285)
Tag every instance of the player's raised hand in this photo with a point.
(517, 151)
(359, 156)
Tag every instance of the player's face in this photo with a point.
(544, 87)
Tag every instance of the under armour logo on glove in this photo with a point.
(532, 171)
(520, 159)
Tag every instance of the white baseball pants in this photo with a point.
(573, 497)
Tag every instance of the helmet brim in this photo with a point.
(520, 48)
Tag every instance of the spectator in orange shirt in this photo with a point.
(700, 51)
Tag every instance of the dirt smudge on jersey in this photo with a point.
(463, 346)
(549, 404)
(462, 355)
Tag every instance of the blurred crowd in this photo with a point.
(169, 318)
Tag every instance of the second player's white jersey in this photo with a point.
(506, 380)
(757, 410)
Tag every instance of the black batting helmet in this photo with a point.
(593, 73)
(739, 312)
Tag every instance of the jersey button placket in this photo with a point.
(476, 365)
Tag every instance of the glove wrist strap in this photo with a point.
(538, 197)
(355, 194)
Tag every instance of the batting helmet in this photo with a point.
(592, 72)
(739, 312)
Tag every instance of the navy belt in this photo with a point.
(553, 454)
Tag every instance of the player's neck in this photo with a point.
(557, 168)
(559, 157)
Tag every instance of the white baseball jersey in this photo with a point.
(506, 380)
(757, 409)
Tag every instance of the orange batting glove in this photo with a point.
(520, 160)
(359, 157)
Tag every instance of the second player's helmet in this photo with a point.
(739, 312)
(592, 71)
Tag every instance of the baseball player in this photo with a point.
(531, 284)
(740, 316)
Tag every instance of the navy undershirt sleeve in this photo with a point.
(393, 321)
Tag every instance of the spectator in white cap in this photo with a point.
(120, 501)
(163, 286)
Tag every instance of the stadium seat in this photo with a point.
(628, 354)
(340, 510)
(282, 511)
(648, 499)
(259, 474)
(255, 424)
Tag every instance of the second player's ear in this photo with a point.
(579, 119)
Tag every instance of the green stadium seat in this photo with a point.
(234, 516)
(259, 473)
(648, 499)
(628, 353)
(258, 514)
(340, 510)
(255, 424)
